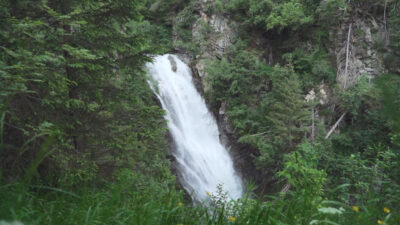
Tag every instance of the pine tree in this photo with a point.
(285, 119)
(73, 71)
(286, 114)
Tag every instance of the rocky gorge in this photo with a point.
(357, 46)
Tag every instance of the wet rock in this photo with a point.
(173, 63)
(214, 33)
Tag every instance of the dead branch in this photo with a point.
(347, 57)
(335, 125)
(384, 20)
(286, 188)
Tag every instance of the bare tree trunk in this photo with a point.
(347, 57)
(286, 188)
(258, 134)
(335, 125)
(313, 123)
(384, 20)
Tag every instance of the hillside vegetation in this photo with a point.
(83, 139)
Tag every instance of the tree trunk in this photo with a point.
(335, 125)
(313, 123)
(347, 57)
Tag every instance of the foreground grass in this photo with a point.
(116, 205)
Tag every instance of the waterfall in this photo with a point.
(203, 162)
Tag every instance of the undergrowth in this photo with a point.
(117, 204)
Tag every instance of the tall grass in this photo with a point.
(36, 205)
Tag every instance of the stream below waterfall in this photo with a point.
(203, 162)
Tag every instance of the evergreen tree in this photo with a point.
(287, 114)
(286, 119)
(72, 72)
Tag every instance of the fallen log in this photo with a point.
(335, 125)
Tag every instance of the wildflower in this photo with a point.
(310, 96)
(180, 223)
(231, 218)
(381, 222)
(180, 204)
(355, 208)
(208, 193)
(386, 210)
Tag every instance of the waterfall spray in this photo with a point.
(203, 162)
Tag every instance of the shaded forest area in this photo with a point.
(83, 139)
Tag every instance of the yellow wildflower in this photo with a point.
(208, 193)
(180, 224)
(355, 208)
(386, 210)
(231, 218)
(180, 204)
(381, 222)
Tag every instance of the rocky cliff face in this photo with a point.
(214, 33)
(358, 45)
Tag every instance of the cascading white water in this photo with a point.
(202, 160)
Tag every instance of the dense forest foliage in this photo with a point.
(83, 139)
